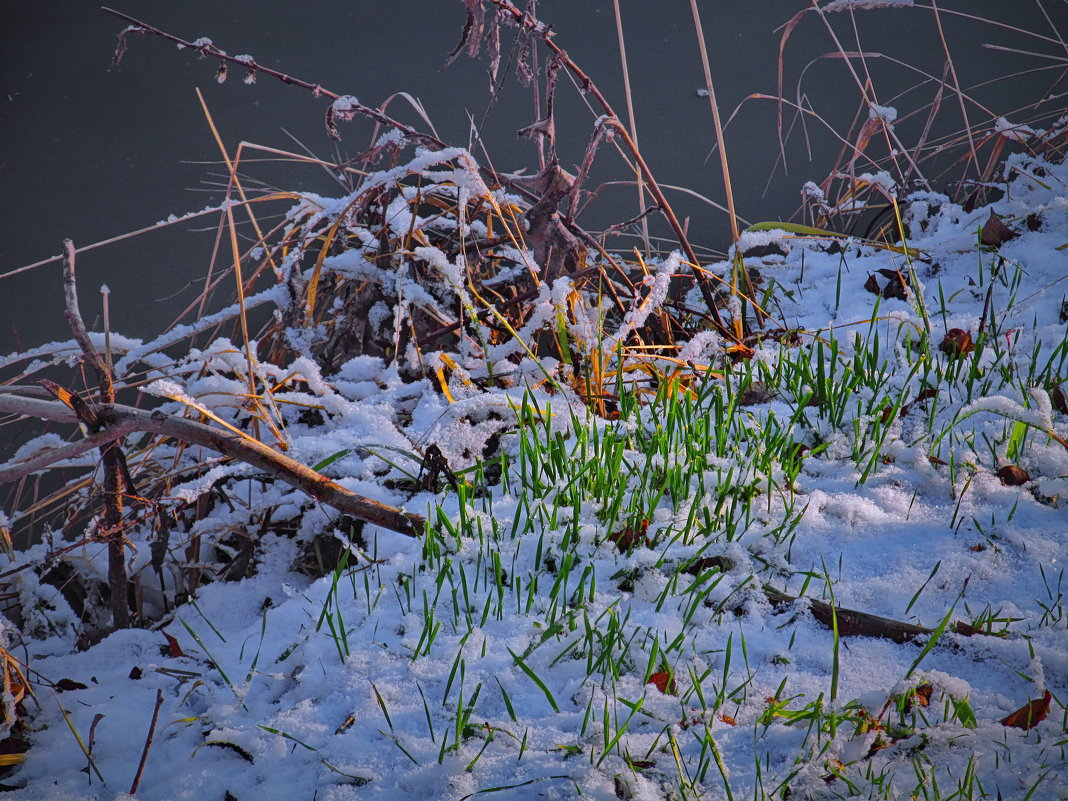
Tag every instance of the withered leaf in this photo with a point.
(995, 232)
(1013, 476)
(630, 538)
(956, 343)
(1030, 714)
(920, 696)
(664, 682)
(699, 566)
(66, 685)
(1060, 402)
(173, 648)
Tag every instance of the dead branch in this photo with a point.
(120, 420)
(114, 464)
(852, 623)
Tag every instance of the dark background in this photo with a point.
(90, 153)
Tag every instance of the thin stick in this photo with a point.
(956, 86)
(631, 121)
(724, 164)
(148, 743)
(110, 453)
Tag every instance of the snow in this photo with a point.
(860, 5)
(262, 700)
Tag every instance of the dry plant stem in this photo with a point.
(148, 743)
(631, 121)
(119, 420)
(543, 32)
(109, 452)
(956, 84)
(415, 136)
(724, 164)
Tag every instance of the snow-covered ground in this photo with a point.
(554, 634)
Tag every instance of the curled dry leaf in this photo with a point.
(995, 232)
(172, 648)
(919, 696)
(67, 685)
(1013, 476)
(699, 566)
(1060, 402)
(664, 682)
(956, 343)
(630, 538)
(1030, 714)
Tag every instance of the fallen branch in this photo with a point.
(852, 623)
(119, 420)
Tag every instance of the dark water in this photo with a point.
(89, 153)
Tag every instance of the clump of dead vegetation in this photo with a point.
(447, 271)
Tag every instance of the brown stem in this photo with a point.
(252, 66)
(119, 420)
(109, 452)
(148, 743)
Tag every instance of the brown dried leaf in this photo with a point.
(1030, 714)
(756, 393)
(1060, 402)
(173, 648)
(956, 343)
(920, 696)
(872, 285)
(629, 538)
(66, 685)
(699, 566)
(995, 232)
(664, 682)
(1013, 476)
(895, 284)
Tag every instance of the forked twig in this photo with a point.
(110, 452)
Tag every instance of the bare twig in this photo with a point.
(206, 48)
(119, 420)
(110, 452)
(148, 743)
